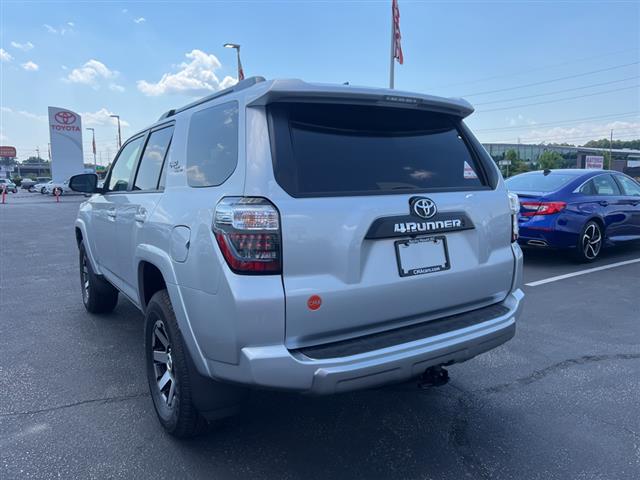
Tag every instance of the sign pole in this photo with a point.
(392, 54)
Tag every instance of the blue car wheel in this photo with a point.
(590, 242)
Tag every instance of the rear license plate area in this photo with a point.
(421, 255)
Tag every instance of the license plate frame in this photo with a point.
(439, 266)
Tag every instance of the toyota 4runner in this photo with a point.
(303, 237)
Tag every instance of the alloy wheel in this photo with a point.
(84, 277)
(591, 241)
(163, 365)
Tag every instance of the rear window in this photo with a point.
(538, 182)
(338, 150)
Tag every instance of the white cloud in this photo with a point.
(116, 88)
(101, 117)
(24, 113)
(90, 73)
(140, 20)
(68, 27)
(25, 47)
(194, 78)
(5, 56)
(30, 66)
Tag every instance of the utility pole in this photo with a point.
(93, 146)
(610, 149)
(119, 135)
(237, 48)
(49, 151)
(38, 152)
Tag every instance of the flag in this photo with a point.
(397, 47)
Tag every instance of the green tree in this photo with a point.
(517, 164)
(549, 159)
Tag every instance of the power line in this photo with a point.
(551, 80)
(599, 117)
(559, 99)
(521, 72)
(560, 91)
(566, 139)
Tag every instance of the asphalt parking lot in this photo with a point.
(559, 401)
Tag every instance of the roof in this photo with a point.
(258, 91)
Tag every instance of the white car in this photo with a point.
(62, 186)
(8, 185)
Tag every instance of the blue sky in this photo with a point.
(139, 59)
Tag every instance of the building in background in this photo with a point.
(624, 160)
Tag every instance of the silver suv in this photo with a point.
(304, 237)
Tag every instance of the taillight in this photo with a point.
(514, 206)
(531, 209)
(247, 230)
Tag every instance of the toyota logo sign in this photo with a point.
(66, 118)
(423, 207)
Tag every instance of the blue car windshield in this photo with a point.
(538, 182)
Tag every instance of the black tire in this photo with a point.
(168, 371)
(98, 295)
(590, 242)
(43, 190)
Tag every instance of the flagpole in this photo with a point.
(393, 44)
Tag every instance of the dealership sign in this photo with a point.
(594, 162)
(65, 130)
(8, 152)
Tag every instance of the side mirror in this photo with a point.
(84, 183)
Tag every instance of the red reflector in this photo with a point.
(531, 209)
(314, 302)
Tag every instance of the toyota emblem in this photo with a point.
(66, 118)
(423, 207)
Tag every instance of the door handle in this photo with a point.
(604, 203)
(111, 213)
(141, 215)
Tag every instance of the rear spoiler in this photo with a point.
(299, 91)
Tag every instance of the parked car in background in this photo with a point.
(41, 187)
(8, 185)
(302, 237)
(27, 183)
(579, 210)
(61, 187)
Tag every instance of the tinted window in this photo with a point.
(212, 145)
(605, 185)
(152, 159)
(538, 182)
(123, 166)
(629, 187)
(325, 149)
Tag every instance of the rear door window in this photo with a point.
(339, 150)
(605, 185)
(152, 159)
(538, 182)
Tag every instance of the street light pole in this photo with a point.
(119, 135)
(93, 147)
(237, 48)
(611, 148)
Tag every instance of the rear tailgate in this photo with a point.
(326, 253)
(348, 175)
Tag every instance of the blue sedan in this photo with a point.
(580, 210)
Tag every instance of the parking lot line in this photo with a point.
(581, 272)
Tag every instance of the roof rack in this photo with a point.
(241, 85)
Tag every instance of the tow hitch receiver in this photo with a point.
(434, 377)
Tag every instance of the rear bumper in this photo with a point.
(275, 366)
